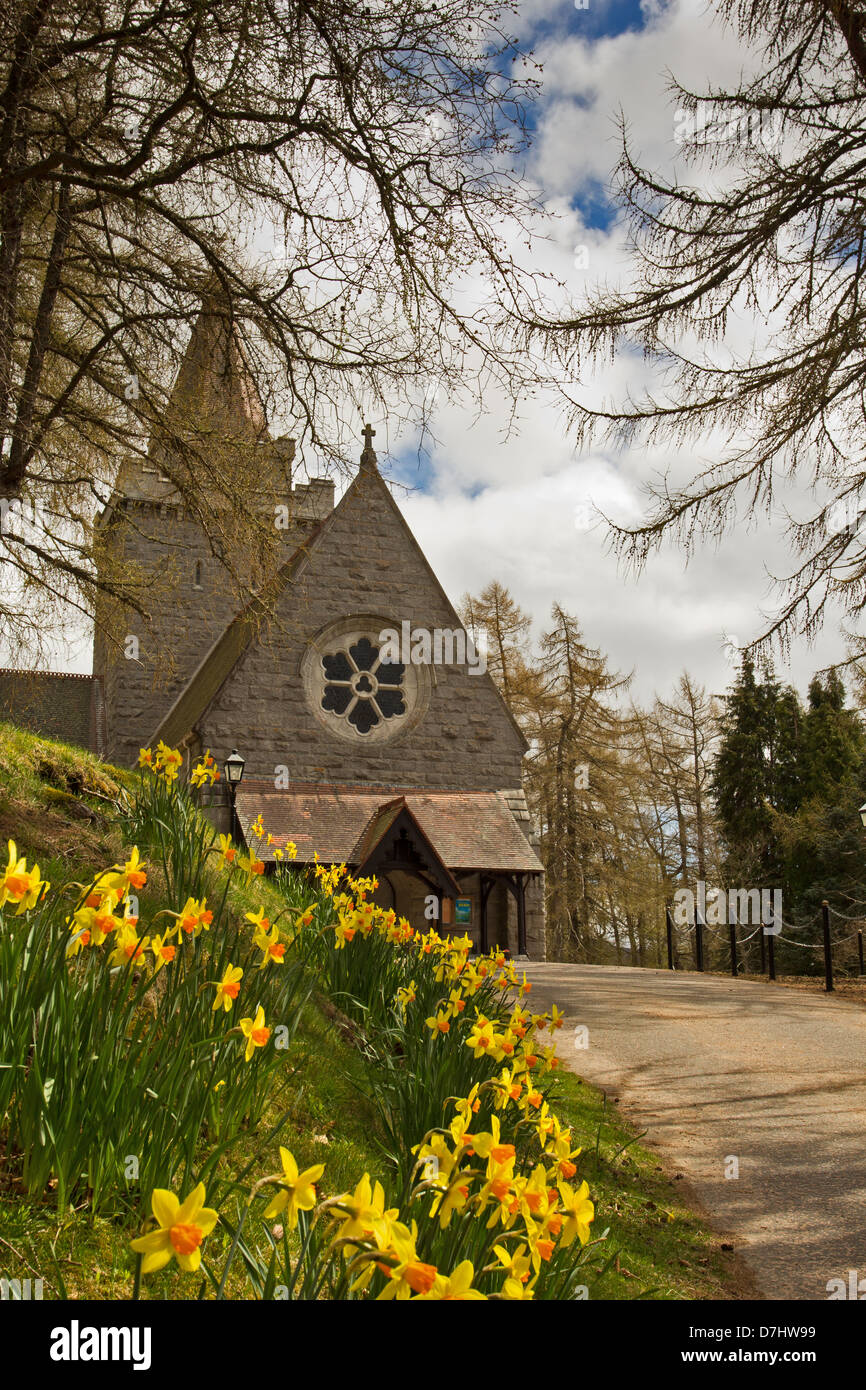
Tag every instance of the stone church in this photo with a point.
(408, 769)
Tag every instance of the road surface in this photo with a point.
(718, 1069)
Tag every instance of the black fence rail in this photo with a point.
(695, 934)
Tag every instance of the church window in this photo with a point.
(361, 687)
(354, 688)
(197, 584)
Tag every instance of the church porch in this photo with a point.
(457, 859)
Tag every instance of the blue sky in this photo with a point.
(486, 505)
(491, 502)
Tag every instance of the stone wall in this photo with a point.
(191, 599)
(366, 562)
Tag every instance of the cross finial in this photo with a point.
(368, 457)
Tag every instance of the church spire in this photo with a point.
(213, 404)
(368, 457)
(215, 389)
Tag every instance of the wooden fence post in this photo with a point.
(699, 940)
(669, 923)
(732, 932)
(763, 950)
(771, 954)
(828, 951)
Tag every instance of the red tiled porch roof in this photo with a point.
(467, 829)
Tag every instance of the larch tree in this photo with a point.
(762, 218)
(329, 169)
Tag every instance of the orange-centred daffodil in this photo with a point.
(228, 987)
(457, 1286)
(227, 849)
(272, 948)
(193, 916)
(163, 952)
(18, 884)
(128, 875)
(181, 1228)
(365, 1213)
(255, 1032)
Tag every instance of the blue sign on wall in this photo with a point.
(463, 911)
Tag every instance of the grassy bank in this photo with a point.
(60, 807)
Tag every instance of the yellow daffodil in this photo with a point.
(489, 1144)
(227, 849)
(500, 1190)
(20, 885)
(454, 1198)
(90, 926)
(181, 1228)
(409, 1274)
(516, 1291)
(480, 1037)
(406, 994)
(469, 1106)
(272, 948)
(228, 987)
(438, 1023)
(456, 1003)
(516, 1263)
(193, 916)
(579, 1212)
(163, 952)
(168, 761)
(128, 945)
(457, 1286)
(436, 1147)
(128, 875)
(204, 772)
(251, 865)
(344, 932)
(255, 1032)
(365, 1213)
(297, 1191)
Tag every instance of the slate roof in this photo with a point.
(55, 704)
(467, 829)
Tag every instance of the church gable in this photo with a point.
(322, 697)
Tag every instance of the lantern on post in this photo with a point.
(233, 767)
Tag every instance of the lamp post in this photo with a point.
(233, 768)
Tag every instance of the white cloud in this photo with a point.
(502, 505)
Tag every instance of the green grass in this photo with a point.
(329, 1121)
(57, 803)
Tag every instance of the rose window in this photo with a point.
(362, 688)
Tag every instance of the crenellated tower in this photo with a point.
(191, 578)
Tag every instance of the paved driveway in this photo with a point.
(716, 1068)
